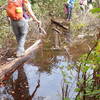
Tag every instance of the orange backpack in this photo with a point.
(14, 9)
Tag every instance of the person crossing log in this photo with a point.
(19, 11)
(7, 69)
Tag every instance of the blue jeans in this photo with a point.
(69, 13)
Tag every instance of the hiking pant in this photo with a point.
(20, 28)
(69, 13)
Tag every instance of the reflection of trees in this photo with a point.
(4, 94)
(47, 59)
(44, 60)
(19, 87)
(36, 88)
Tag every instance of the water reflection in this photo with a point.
(4, 95)
(20, 85)
(49, 83)
(41, 78)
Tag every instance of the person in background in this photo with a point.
(83, 6)
(70, 4)
(20, 25)
(89, 2)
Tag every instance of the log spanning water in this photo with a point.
(10, 67)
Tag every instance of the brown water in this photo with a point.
(41, 78)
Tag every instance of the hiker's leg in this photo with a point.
(15, 29)
(23, 30)
(82, 9)
(70, 13)
(20, 29)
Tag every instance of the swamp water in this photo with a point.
(42, 78)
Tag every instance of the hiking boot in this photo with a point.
(10, 59)
(20, 53)
(68, 20)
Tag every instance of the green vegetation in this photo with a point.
(48, 7)
(88, 79)
(88, 83)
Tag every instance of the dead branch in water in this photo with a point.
(59, 24)
(57, 31)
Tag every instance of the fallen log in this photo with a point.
(59, 24)
(56, 30)
(8, 68)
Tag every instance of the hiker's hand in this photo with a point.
(39, 23)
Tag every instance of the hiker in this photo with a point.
(17, 12)
(70, 4)
(83, 6)
(65, 8)
(90, 6)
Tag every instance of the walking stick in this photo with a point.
(42, 31)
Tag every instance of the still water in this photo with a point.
(47, 76)
(41, 78)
